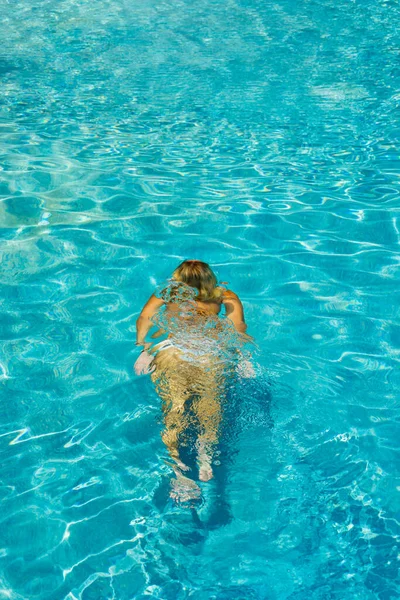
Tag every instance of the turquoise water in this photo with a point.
(261, 137)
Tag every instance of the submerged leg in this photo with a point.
(175, 423)
(208, 411)
(209, 416)
(171, 386)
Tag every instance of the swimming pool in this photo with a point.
(261, 137)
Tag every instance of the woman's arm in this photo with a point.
(144, 323)
(234, 310)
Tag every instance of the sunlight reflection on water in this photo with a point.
(262, 138)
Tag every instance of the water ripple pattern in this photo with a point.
(262, 137)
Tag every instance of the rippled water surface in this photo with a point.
(262, 137)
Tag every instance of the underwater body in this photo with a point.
(260, 137)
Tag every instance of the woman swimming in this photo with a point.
(193, 363)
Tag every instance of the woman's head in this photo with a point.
(199, 275)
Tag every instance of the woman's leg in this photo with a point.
(172, 378)
(176, 381)
(171, 385)
(208, 410)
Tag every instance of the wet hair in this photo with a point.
(199, 275)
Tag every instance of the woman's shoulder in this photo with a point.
(229, 295)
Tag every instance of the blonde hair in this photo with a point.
(198, 274)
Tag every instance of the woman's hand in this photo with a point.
(144, 345)
(144, 363)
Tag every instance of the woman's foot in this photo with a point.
(184, 489)
(205, 472)
(204, 461)
(181, 465)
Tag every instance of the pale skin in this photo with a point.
(178, 380)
